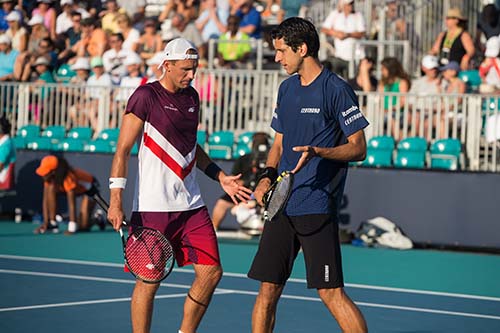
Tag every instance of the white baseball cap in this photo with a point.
(430, 61)
(36, 19)
(177, 49)
(132, 59)
(13, 16)
(81, 63)
(66, 2)
(492, 47)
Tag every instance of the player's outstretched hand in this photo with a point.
(234, 189)
(307, 154)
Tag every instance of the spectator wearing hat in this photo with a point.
(155, 70)
(454, 44)
(61, 178)
(150, 41)
(93, 40)
(98, 85)
(489, 70)
(7, 7)
(77, 111)
(49, 14)
(427, 84)
(16, 32)
(38, 32)
(345, 26)
(8, 59)
(82, 69)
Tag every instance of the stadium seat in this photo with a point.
(29, 131)
(220, 145)
(245, 138)
(241, 150)
(81, 133)
(109, 134)
(379, 152)
(71, 144)
(19, 142)
(40, 143)
(54, 132)
(471, 79)
(98, 146)
(446, 154)
(411, 153)
(64, 73)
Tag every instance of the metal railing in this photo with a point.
(240, 101)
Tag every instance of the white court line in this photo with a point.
(219, 291)
(239, 275)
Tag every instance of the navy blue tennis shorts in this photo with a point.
(281, 240)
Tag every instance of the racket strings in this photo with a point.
(279, 196)
(149, 255)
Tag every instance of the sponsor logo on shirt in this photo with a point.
(350, 110)
(191, 109)
(170, 107)
(310, 110)
(354, 117)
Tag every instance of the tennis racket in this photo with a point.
(148, 254)
(277, 195)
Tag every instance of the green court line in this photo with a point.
(431, 270)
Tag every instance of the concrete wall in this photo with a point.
(449, 208)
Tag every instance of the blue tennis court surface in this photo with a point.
(68, 292)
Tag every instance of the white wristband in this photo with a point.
(117, 183)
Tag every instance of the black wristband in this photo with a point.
(269, 172)
(212, 171)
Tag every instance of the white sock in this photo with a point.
(72, 226)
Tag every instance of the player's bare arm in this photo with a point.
(231, 184)
(130, 129)
(353, 150)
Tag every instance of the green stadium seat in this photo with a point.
(241, 150)
(471, 78)
(109, 134)
(382, 142)
(98, 146)
(71, 144)
(378, 158)
(411, 153)
(245, 138)
(29, 131)
(220, 145)
(64, 73)
(19, 142)
(81, 133)
(54, 132)
(446, 154)
(40, 143)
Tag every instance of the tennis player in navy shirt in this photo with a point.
(319, 129)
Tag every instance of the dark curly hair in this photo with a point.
(296, 31)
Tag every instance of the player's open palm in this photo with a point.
(232, 186)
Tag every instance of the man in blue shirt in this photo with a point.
(8, 58)
(319, 129)
(251, 21)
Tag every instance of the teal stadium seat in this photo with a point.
(220, 145)
(64, 73)
(245, 138)
(241, 150)
(98, 146)
(379, 152)
(71, 144)
(19, 142)
(54, 132)
(81, 133)
(446, 154)
(201, 138)
(411, 153)
(40, 143)
(471, 79)
(109, 134)
(29, 131)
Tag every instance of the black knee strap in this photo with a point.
(197, 302)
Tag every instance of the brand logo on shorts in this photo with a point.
(327, 273)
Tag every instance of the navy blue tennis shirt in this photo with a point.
(322, 114)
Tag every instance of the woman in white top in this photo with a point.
(131, 35)
(17, 33)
